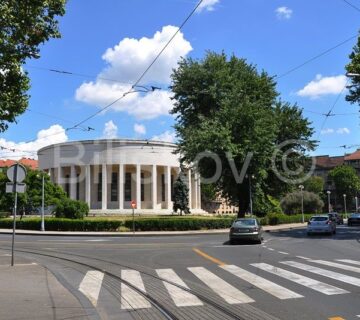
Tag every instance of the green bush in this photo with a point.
(291, 203)
(71, 209)
(179, 224)
(59, 224)
(4, 214)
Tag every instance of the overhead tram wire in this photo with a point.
(137, 82)
(315, 57)
(351, 5)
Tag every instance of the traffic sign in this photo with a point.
(19, 187)
(17, 175)
(133, 204)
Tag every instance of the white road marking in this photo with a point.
(282, 252)
(21, 264)
(349, 261)
(130, 299)
(301, 257)
(299, 279)
(271, 249)
(97, 240)
(337, 265)
(91, 284)
(323, 272)
(5, 255)
(180, 297)
(266, 285)
(225, 290)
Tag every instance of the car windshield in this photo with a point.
(245, 222)
(319, 219)
(355, 215)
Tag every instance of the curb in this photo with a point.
(267, 229)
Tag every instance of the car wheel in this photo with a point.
(334, 232)
(308, 234)
(231, 241)
(258, 241)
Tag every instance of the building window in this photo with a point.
(114, 186)
(99, 186)
(127, 186)
(67, 186)
(162, 187)
(142, 188)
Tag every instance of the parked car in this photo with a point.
(321, 224)
(354, 219)
(336, 217)
(246, 229)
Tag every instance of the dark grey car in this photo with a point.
(246, 229)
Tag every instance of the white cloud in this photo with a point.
(343, 131)
(283, 13)
(338, 131)
(54, 134)
(125, 62)
(167, 136)
(323, 86)
(110, 130)
(208, 5)
(139, 129)
(327, 131)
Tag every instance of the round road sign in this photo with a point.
(133, 204)
(20, 174)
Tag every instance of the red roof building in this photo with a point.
(30, 163)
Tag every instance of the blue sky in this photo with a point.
(116, 40)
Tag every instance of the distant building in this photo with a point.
(219, 206)
(30, 163)
(324, 164)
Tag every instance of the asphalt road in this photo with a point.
(289, 276)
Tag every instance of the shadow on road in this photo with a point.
(342, 233)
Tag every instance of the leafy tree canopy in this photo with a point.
(353, 67)
(346, 181)
(291, 203)
(24, 25)
(224, 105)
(314, 184)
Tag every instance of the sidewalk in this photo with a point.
(29, 291)
(144, 233)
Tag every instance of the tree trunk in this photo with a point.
(243, 199)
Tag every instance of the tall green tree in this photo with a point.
(315, 184)
(32, 198)
(346, 182)
(353, 67)
(181, 195)
(225, 106)
(24, 25)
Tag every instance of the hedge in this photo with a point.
(143, 224)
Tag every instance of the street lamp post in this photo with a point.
(301, 187)
(328, 193)
(43, 203)
(345, 205)
(356, 204)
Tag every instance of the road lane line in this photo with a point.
(225, 290)
(180, 297)
(337, 265)
(130, 299)
(301, 257)
(206, 256)
(271, 249)
(323, 272)
(299, 279)
(266, 285)
(336, 318)
(91, 284)
(349, 261)
(282, 252)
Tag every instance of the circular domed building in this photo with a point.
(110, 174)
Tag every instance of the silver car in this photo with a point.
(321, 224)
(245, 229)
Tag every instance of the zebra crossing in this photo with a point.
(179, 290)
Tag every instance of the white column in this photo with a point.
(154, 186)
(72, 182)
(104, 187)
(196, 191)
(168, 188)
(88, 185)
(138, 186)
(58, 176)
(190, 189)
(121, 186)
(199, 191)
